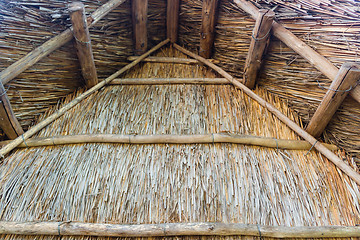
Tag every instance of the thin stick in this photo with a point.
(13, 144)
(175, 229)
(168, 138)
(170, 60)
(320, 147)
(164, 81)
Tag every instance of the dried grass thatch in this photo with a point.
(119, 183)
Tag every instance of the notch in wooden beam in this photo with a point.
(8, 122)
(83, 43)
(139, 20)
(207, 27)
(344, 81)
(259, 41)
(172, 20)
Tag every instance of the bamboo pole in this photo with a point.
(293, 42)
(320, 147)
(170, 60)
(54, 43)
(83, 43)
(207, 30)
(165, 81)
(172, 20)
(8, 121)
(174, 229)
(345, 80)
(139, 22)
(259, 41)
(13, 144)
(170, 139)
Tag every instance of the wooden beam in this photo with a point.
(54, 43)
(345, 80)
(8, 122)
(170, 60)
(83, 43)
(293, 42)
(259, 41)
(139, 21)
(167, 81)
(13, 144)
(172, 20)
(282, 117)
(174, 229)
(207, 30)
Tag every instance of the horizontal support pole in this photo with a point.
(346, 168)
(171, 60)
(14, 143)
(300, 47)
(171, 139)
(174, 229)
(167, 81)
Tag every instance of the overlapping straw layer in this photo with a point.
(120, 183)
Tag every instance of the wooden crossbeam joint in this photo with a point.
(139, 21)
(172, 20)
(259, 42)
(8, 122)
(83, 43)
(207, 31)
(344, 81)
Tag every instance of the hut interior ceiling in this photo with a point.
(119, 183)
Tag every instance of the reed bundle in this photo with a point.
(174, 183)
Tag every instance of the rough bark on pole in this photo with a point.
(293, 42)
(139, 21)
(8, 122)
(14, 143)
(54, 43)
(83, 43)
(282, 117)
(345, 80)
(172, 20)
(259, 41)
(207, 27)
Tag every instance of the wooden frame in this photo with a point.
(207, 31)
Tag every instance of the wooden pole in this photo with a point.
(345, 80)
(13, 144)
(54, 43)
(320, 147)
(170, 60)
(139, 21)
(174, 229)
(207, 27)
(166, 81)
(171, 139)
(172, 19)
(293, 42)
(83, 43)
(259, 41)
(8, 122)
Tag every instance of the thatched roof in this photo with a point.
(120, 183)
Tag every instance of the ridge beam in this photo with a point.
(8, 122)
(258, 45)
(139, 21)
(207, 27)
(344, 81)
(172, 20)
(83, 43)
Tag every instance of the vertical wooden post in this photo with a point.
(83, 43)
(259, 41)
(207, 27)
(172, 20)
(344, 81)
(139, 20)
(8, 122)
